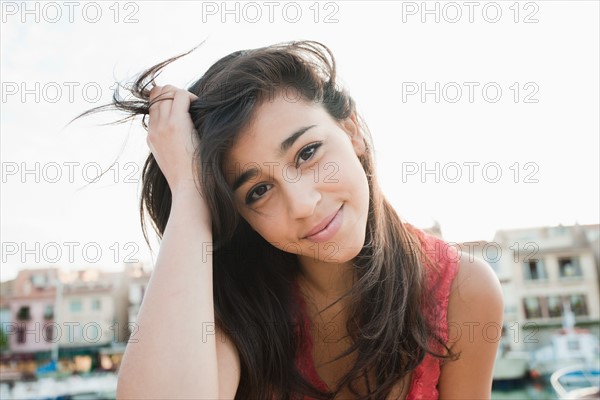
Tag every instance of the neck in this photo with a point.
(326, 280)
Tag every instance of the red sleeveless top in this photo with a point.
(425, 376)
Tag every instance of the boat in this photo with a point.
(569, 346)
(576, 382)
(510, 368)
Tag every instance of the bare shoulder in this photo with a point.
(475, 281)
(475, 313)
(228, 364)
(475, 296)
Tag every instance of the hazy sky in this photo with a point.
(484, 114)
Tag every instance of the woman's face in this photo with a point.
(298, 182)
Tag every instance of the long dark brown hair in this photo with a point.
(253, 300)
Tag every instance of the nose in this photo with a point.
(302, 197)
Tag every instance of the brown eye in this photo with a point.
(308, 152)
(256, 193)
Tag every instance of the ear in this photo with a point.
(352, 128)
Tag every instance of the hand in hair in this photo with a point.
(172, 138)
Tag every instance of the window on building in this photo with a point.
(569, 267)
(21, 334)
(532, 307)
(534, 270)
(578, 304)
(75, 306)
(39, 280)
(555, 307)
(49, 312)
(96, 304)
(24, 313)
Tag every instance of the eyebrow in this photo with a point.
(289, 142)
(283, 147)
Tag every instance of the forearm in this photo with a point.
(173, 356)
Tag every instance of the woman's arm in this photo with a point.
(475, 313)
(176, 353)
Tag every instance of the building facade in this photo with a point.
(51, 309)
(551, 268)
(32, 311)
(93, 309)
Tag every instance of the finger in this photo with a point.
(155, 91)
(165, 101)
(181, 105)
(154, 109)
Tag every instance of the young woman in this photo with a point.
(283, 272)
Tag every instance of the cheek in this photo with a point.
(276, 238)
(347, 172)
(266, 230)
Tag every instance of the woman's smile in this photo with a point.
(328, 228)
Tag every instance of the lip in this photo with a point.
(327, 228)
